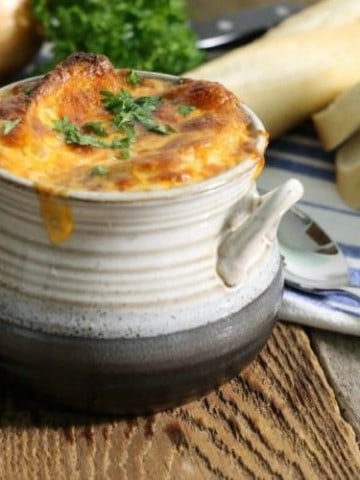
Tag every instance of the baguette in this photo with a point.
(347, 166)
(286, 81)
(327, 13)
(339, 120)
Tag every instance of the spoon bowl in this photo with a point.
(313, 261)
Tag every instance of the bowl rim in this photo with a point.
(203, 186)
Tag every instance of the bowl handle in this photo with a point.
(243, 250)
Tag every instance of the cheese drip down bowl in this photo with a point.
(141, 298)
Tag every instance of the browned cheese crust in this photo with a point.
(200, 130)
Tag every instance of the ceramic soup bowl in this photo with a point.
(155, 298)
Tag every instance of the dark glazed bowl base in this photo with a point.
(140, 375)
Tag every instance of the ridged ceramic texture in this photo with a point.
(126, 253)
(136, 263)
(124, 262)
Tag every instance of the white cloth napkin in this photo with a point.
(299, 154)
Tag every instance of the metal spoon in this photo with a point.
(313, 262)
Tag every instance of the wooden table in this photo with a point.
(279, 419)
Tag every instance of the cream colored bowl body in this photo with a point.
(140, 264)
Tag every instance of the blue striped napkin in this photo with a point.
(299, 154)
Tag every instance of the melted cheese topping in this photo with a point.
(205, 131)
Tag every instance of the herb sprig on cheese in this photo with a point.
(127, 111)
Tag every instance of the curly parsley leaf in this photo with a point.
(73, 136)
(133, 78)
(185, 109)
(126, 112)
(96, 127)
(128, 109)
(102, 171)
(99, 171)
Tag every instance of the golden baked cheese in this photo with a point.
(88, 126)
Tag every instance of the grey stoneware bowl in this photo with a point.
(151, 299)
(142, 375)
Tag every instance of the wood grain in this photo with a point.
(278, 420)
(339, 356)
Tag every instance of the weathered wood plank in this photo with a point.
(278, 419)
(339, 356)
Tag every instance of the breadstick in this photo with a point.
(285, 80)
(348, 171)
(328, 13)
(339, 120)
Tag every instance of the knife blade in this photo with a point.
(240, 26)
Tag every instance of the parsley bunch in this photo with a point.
(127, 111)
(148, 35)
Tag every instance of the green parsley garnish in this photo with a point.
(9, 125)
(125, 153)
(97, 128)
(134, 78)
(123, 144)
(99, 170)
(27, 91)
(72, 134)
(127, 110)
(151, 35)
(185, 109)
(165, 129)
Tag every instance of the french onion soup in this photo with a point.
(87, 126)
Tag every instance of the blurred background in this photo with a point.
(206, 9)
